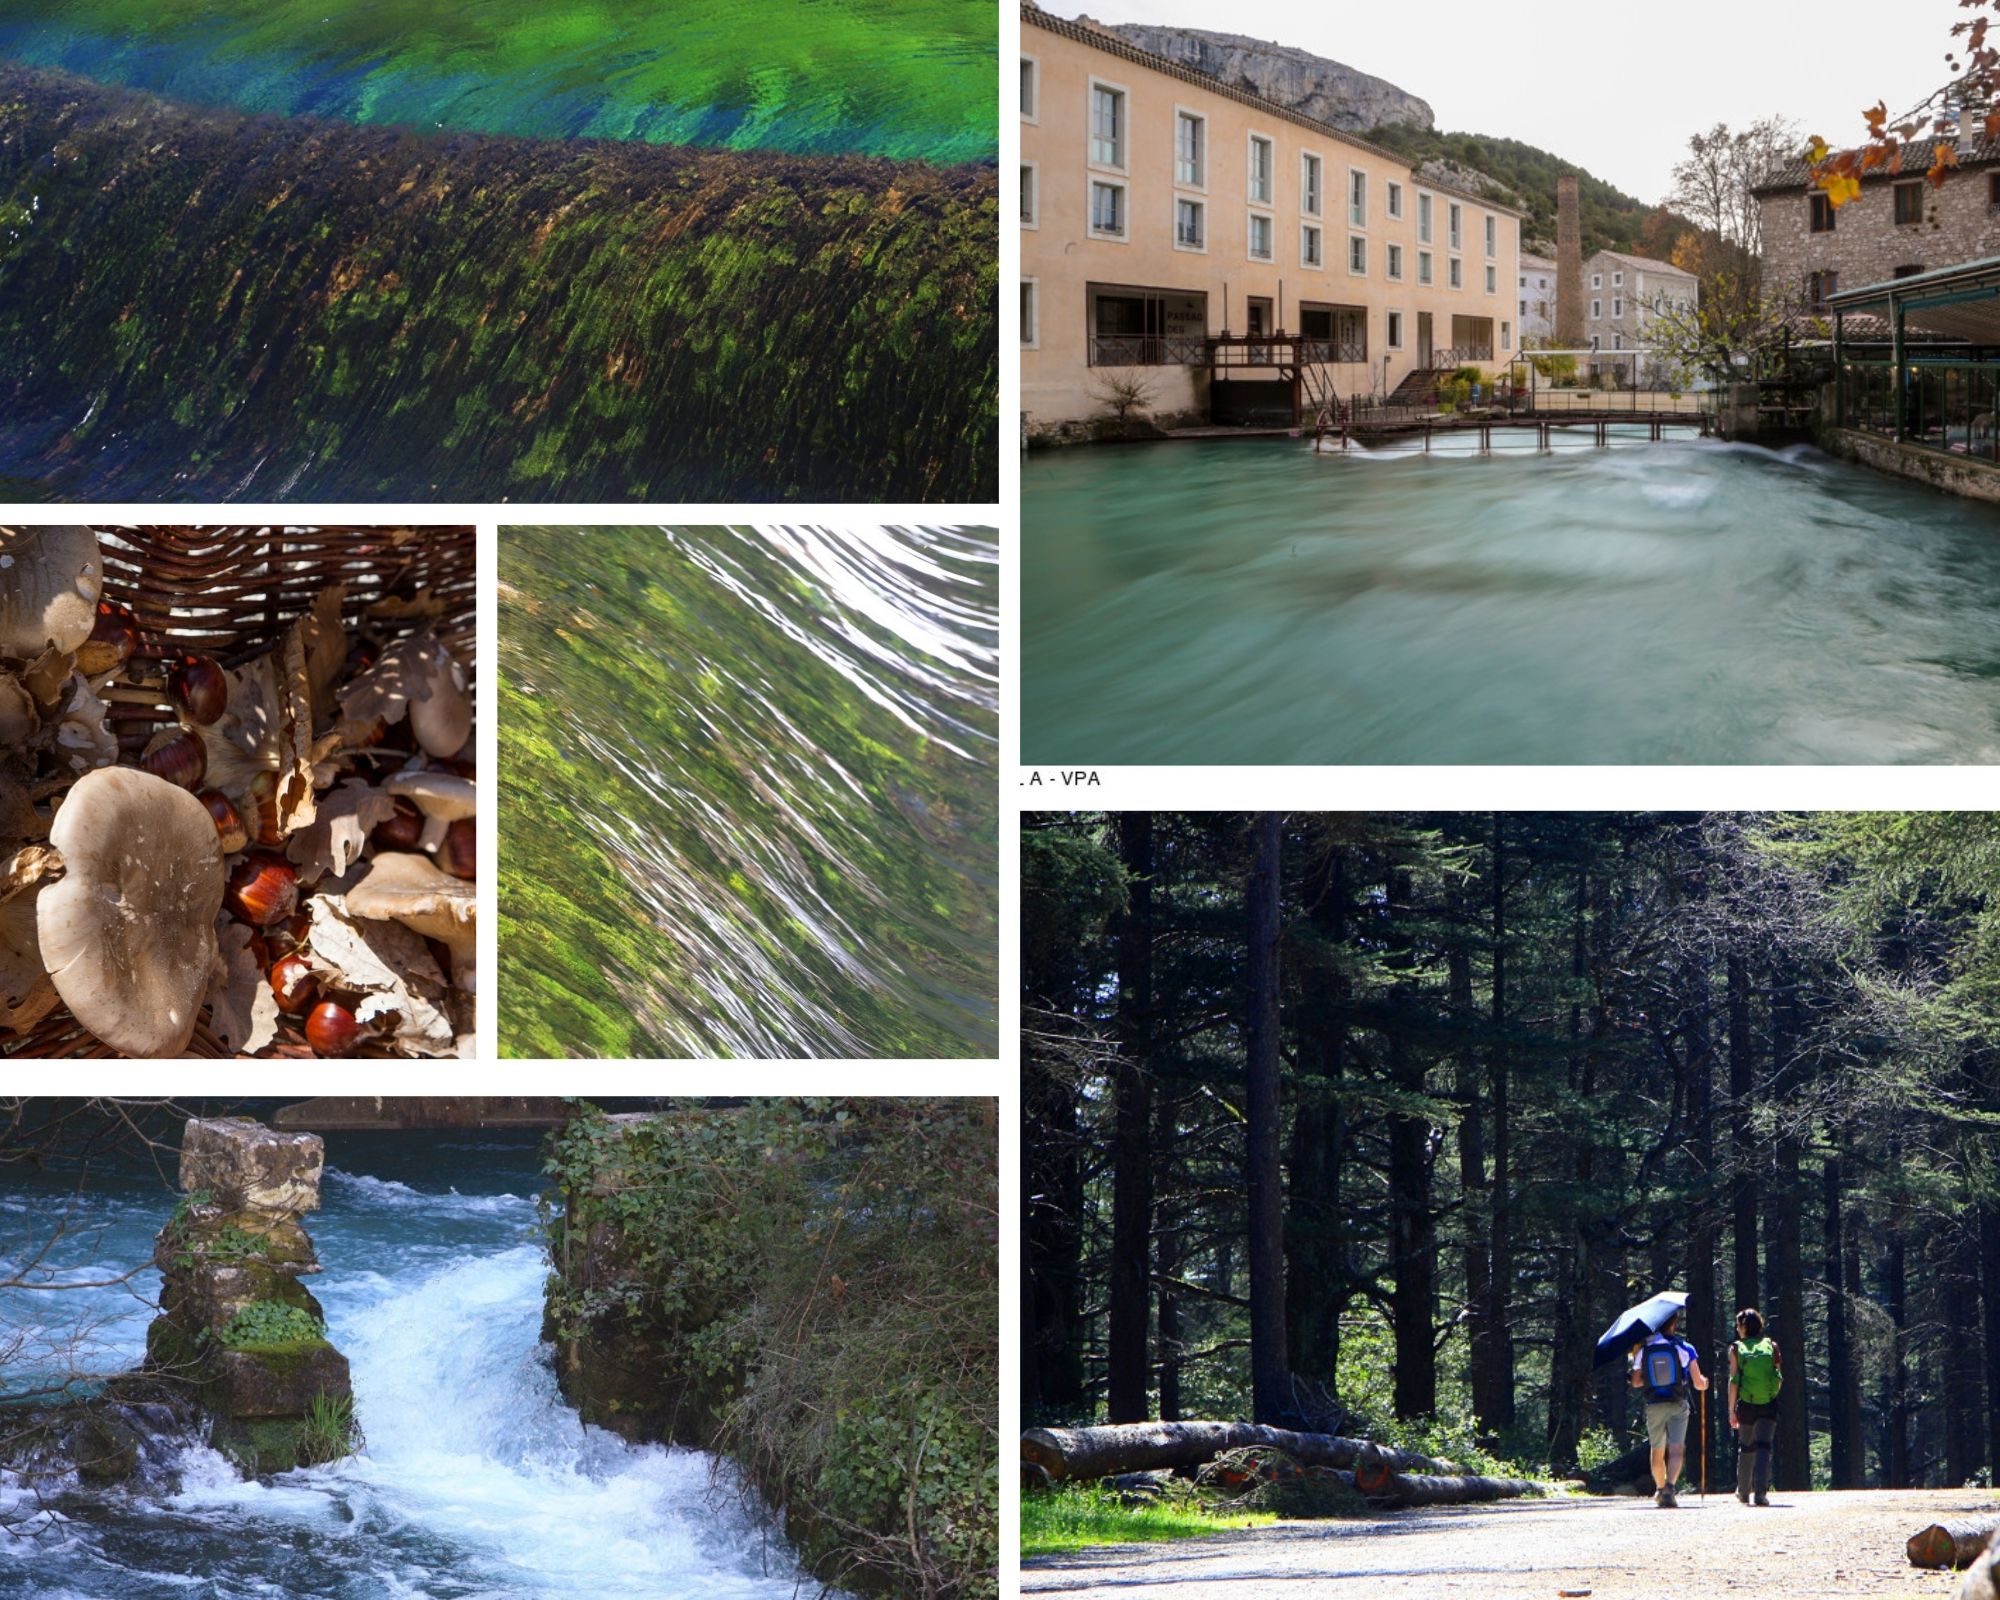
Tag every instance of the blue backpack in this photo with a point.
(1663, 1370)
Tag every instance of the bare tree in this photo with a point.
(1714, 189)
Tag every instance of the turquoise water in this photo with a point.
(902, 78)
(477, 1482)
(1250, 603)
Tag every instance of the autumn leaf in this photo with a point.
(1878, 117)
(1840, 190)
(1942, 160)
(1816, 152)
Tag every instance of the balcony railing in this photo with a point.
(1462, 355)
(1148, 350)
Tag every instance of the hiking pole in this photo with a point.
(1704, 1442)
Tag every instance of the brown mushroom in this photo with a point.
(442, 798)
(409, 889)
(50, 581)
(440, 711)
(128, 934)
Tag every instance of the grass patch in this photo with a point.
(1078, 1518)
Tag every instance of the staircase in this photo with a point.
(1419, 387)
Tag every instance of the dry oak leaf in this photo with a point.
(342, 821)
(243, 1009)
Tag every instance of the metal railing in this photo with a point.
(1148, 350)
(1283, 350)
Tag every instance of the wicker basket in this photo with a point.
(230, 592)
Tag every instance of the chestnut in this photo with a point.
(180, 757)
(264, 804)
(459, 853)
(199, 688)
(291, 933)
(403, 830)
(117, 626)
(331, 1029)
(262, 889)
(229, 829)
(292, 981)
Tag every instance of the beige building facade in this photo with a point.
(1537, 294)
(1226, 259)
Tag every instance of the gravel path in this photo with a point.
(1846, 1543)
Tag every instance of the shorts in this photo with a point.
(1667, 1423)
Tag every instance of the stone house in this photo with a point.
(1538, 297)
(1623, 293)
(1897, 227)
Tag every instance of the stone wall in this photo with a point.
(1975, 480)
(1867, 245)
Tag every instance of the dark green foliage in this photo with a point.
(1526, 175)
(823, 1276)
(329, 1431)
(205, 305)
(266, 1324)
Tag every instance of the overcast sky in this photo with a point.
(1608, 86)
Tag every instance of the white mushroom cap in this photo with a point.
(440, 711)
(442, 797)
(129, 932)
(406, 888)
(50, 583)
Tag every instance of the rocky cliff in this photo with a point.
(1296, 79)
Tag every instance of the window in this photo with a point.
(1617, 308)
(1819, 285)
(1396, 262)
(1910, 202)
(1190, 225)
(1456, 273)
(1596, 310)
(1820, 213)
(1030, 88)
(1107, 125)
(1190, 150)
(1492, 281)
(1028, 196)
(1395, 202)
(1993, 191)
(1260, 170)
(1597, 280)
(1107, 209)
(1357, 199)
(1618, 341)
(1492, 236)
(1423, 219)
(1395, 330)
(1452, 224)
(1423, 266)
(1260, 237)
(1506, 336)
(1312, 248)
(1357, 255)
(1524, 282)
(1617, 280)
(1031, 307)
(1913, 270)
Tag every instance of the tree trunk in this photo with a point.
(1480, 1363)
(1743, 1152)
(1989, 1294)
(1412, 1223)
(1982, 1578)
(1792, 1448)
(1850, 1278)
(1896, 1443)
(1951, 1544)
(1317, 1282)
(1964, 1405)
(1411, 1489)
(1082, 1454)
(1703, 1320)
(1131, 1264)
(1052, 1243)
(1270, 1386)
(1167, 1254)
(1843, 1422)
(1500, 1315)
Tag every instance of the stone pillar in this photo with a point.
(235, 1322)
(1569, 265)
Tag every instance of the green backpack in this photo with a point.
(1758, 1379)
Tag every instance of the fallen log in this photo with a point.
(1458, 1489)
(1980, 1581)
(1080, 1454)
(1951, 1544)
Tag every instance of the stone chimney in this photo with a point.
(1569, 265)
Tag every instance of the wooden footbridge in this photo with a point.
(1602, 418)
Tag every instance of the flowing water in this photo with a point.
(900, 78)
(476, 1483)
(748, 792)
(1252, 603)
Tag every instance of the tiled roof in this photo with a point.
(1112, 44)
(1917, 157)
(1645, 263)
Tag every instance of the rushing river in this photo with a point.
(748, 792)
(1249, 603)
(477, 1482)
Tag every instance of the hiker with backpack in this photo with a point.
(1666, 1368)
(1756, 1374)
